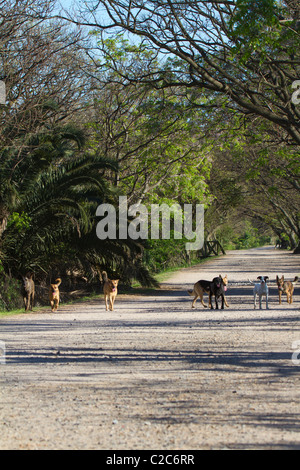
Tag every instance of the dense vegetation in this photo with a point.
(199, 104)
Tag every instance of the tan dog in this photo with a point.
(28, 292)
(203, 287)
(286, 287)
(54, 295)
(110, 290)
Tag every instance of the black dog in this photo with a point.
(216, 288)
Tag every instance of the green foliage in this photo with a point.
(164, 254)
(51, 224)
(253, 16)
(21, 221)
(249, 237)
(256, 31)
(154, 134)
(255, 26)
(10, 293)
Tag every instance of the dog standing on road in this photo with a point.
(217, 289)
(28, 292)
(110, 290)
(54, 295)
(261, 290)
(286, 287)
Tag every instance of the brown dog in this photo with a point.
(110, 290)
(54, 295)
(286, 287)
(203, 287)
(28, 292)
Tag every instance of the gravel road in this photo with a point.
(155, 374)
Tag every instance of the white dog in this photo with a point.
(260, 290)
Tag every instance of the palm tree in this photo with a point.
(50, 191)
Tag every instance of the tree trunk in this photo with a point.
(3, 219)
(297, 250)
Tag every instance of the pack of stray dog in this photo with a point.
(218, 286)
(215, 289)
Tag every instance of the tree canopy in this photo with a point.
(244, 53)
(234, 63)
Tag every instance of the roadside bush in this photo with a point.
(164, 254)
(10, 292)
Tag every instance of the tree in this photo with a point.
(153, 136)
(32, 51)
(51, 225)
(244, 53)
(243, 57)
(49, 196)
(254, 178)
(50, 181)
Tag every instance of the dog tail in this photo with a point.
(295, 280)
(251, 282)
(191, 292)
(58, 281)
(104, 276)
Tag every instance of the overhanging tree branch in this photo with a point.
(254, 70)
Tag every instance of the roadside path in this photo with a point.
(155, 374)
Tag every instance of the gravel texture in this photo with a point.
(155, 374)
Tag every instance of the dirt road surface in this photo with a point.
(155, 374)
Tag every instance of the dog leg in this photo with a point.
(254, 300)
(267, 302)
(210, 302)
(280, 294)
(194, 301)
(106, 304)
(201, 298)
